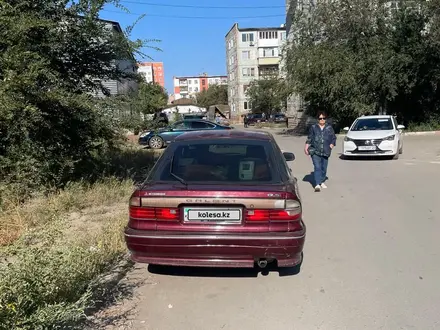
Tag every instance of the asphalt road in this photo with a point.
(372, 257)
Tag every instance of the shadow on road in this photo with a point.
(222, 272)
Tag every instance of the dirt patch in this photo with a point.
(93, 219)
(133, 138)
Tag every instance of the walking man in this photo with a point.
(319, 145)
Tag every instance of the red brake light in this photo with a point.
(257, 215)
(154, 213)
(142, 213)
(167, 214)
(291, 212)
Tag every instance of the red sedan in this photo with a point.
(218, 199)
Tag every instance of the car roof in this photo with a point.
(202, 120)
(375, 117)
(225, 134)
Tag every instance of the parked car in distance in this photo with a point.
(374, 136)
(191, 116)
(253, 118)
(278, 118)
(218, 199)
(157, 139)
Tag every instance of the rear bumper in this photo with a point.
(211, 250)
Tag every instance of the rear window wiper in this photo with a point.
(178, 178)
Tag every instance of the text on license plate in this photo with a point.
(367, 148)
(212, 215)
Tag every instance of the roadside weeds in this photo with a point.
(61, 254)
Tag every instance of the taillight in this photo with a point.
(152, 213)
(291, 212)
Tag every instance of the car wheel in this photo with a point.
(401, 150)
(396, 156)
(156, 142)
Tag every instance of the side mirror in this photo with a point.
(346, 129)
(289, 156)
(400, 127)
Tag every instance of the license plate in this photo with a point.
(370, 148)
(212, 215)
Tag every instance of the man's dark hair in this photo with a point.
(321, 113)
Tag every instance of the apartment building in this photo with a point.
(251, 53)
(127, 64)
(189, 86)
(152, 72)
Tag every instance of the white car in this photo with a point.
(374, 136)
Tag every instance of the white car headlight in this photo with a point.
(346, 139)
(144, 134)
(389, 138)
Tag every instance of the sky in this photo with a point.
(192, 38)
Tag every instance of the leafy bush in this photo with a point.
(432, 125)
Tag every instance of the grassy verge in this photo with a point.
(433, 125)
(53, 248)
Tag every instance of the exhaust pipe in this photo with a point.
(262, 263)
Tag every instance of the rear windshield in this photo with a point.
(220, 163)
(373, 124)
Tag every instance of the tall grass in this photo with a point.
(54, 246)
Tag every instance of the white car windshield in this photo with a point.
(373, 124)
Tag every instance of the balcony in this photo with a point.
(269, 61)
(268, 71)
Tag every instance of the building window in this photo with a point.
(247, 37)
(246, 105)
(248, 72)
(269, 52)
(245, 88)
(190, 89)
(246, 54)
(283, 36)
(203, 82)
(196, 82)
(268, 34)
(196, 89)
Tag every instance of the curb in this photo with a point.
(422, 133)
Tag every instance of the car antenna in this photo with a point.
(181, 180)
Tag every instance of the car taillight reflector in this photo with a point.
(291, 212)
(257, 215)
(167, 214)
(154, 213)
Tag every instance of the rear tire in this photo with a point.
(156, 142)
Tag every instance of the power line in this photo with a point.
(192, 17)
(201, 7)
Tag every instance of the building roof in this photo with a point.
(200, 76)
(184, 101)
(225, 134)
(115, 24)
(255, 29)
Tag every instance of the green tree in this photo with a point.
(354, 58)
(150, 98)
(215, 94)
(268, 95)
(52, 60)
